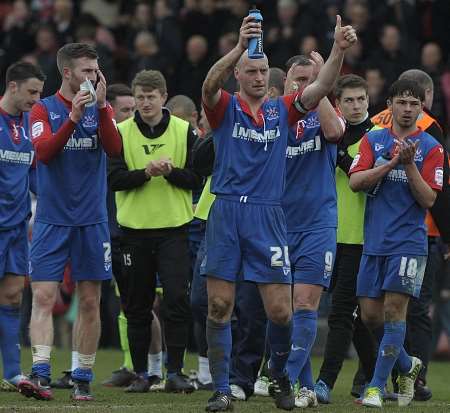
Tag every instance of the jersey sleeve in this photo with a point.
(432, 169)
(216, 114)
(364, 158)
(47, 145)
(295, 109)
(109, 136)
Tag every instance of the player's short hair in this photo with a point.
(419, 76)
(299, 60)
(182, 102)
(72, 51)
(150, 80)
(22, 71)
(406, 87)
(350, 81)
(117, 89)
(277, 77)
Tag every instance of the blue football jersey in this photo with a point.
(16, 158)
(393, 220)
(310, 196)
(72, 186)
(250, 155)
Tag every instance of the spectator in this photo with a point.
(353, 60)
(204, 18)
(45, 54)
(376, 90)
(86, 32)
(147, 55)
(226, 42)
(390, 58)
(431, 62)
(308, 44)
(18, 36)
(141, 19)
(277, 78)
(281, 37)
(184, 108)
(359, 17)
(192, 71)
(64, 20)
(167, 30)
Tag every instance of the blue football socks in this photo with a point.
(279, 337)
(10, 340)
(303, 337)
(218, 336)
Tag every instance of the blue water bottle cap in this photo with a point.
(255, 44)
(256, 14)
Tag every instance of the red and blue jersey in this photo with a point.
(394, 223)
(16, 158)
(309, 200)
(251, 152)
(72, 185)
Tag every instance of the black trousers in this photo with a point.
(419, 331)
(343, 320)
(144, 255)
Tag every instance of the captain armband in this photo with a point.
(299, 106)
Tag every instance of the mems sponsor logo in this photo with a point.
(397, 175)
(307, 146)
(24, 158)
(247, 134)
(82, 143)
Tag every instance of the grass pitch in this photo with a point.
(115, 400)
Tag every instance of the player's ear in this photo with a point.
(389, 104)
(67, 72)
(13, 86)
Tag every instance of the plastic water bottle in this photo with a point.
(255, 44)
(381, 160)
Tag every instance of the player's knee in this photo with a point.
(12, 295)
(304, 303)
(279, 313)
(371, 320)
(219, 309)
(89, 305)
(394, 311)
(44, 299)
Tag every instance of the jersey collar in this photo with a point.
(246, 109)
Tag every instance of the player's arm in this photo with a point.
(331, 124)
(46, 144)
(423, 188)
(362, 174)
(203, 156)
(344, 37)
(108, 133)
(186, 177)
(120, 178)
(222, 69)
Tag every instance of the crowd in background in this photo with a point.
(183, 38)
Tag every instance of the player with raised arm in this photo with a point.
(71, 131)
(246, 229)
(401, 169)
(309, 203)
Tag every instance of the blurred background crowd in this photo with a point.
(182, 38)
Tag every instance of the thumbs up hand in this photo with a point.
(344, 36)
